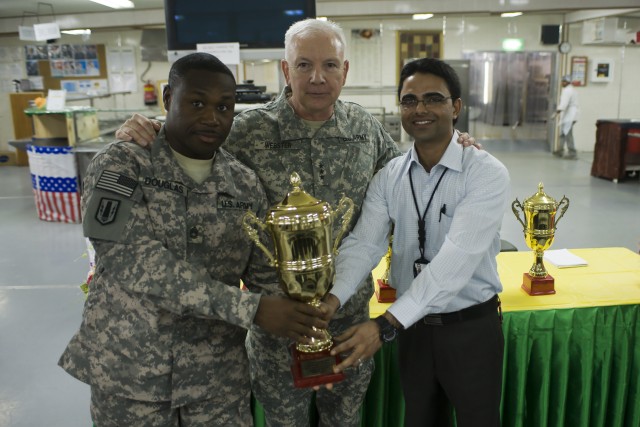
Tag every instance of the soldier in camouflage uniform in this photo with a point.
(336, 152)
(162, 341)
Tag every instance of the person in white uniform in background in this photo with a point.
(569, 110)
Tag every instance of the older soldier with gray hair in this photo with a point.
(164, 325)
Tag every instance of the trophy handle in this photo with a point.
(248, 222)
(514, 205)
(564, 204)
(346, 205)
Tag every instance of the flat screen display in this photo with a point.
(254, 24)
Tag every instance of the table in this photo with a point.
(71, 124)
(571, 359)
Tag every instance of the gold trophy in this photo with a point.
(385, 293)
(301, 228)
(539, 229)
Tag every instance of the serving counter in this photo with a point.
(571, 359)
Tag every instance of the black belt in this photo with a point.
(473, 312)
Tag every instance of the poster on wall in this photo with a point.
(122, 69)
(579, 70)
(417, 44)
(365, 53)
(601, 70)
(64, 59)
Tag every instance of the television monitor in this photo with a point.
(255, 24)
(550, 34)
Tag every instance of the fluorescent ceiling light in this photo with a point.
(77, 32)
(419, 16)
(506, 14)
(322, 18)
(116, 4)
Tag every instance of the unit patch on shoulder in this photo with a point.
(117, 183)
(107, 210)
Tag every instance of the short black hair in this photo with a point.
(196, 61)
(432, 66)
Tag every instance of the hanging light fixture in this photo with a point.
(116, 4)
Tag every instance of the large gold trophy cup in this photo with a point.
(301, 228)
(539, 231)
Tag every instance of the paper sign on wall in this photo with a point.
(228, 53)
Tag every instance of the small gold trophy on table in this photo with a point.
(301, 228)
(539, 231)
(384, 291)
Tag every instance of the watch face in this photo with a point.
(389, 335)
(387, 331)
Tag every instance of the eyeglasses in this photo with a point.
(411, 103)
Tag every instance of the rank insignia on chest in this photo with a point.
(107, 210)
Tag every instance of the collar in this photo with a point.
(452, 157)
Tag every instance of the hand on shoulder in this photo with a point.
(139, 129)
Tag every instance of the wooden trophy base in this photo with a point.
(384, 292)
(312, 369)
(538, 285)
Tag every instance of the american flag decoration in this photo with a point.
(54, 176)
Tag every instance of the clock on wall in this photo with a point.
(564, 47)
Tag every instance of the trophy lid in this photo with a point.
(299, 207)
(540, 200)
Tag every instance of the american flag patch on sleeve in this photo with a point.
(117, 183)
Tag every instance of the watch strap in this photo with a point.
(388, 332)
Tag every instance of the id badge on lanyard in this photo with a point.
(418, 265)
(422, 262)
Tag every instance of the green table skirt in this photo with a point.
(562, 368)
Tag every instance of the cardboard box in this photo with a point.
(8, 158)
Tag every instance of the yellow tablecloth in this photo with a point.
(612, 277)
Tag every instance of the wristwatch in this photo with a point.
(388, 332)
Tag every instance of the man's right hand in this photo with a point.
(139, 129)
(285, 317)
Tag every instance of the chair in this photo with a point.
(507, 247)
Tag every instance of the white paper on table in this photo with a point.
(562, 258)
(56, 99)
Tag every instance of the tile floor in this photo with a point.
(42, 265)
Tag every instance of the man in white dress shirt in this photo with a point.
(446, 203)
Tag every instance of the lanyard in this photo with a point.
(422, 231)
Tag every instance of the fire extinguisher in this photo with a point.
(150, 97)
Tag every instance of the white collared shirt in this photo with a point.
(462, 227)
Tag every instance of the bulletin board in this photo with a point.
(417, 44)
(52, 81)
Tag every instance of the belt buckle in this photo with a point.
(433, 319)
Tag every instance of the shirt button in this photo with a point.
(193, 233)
